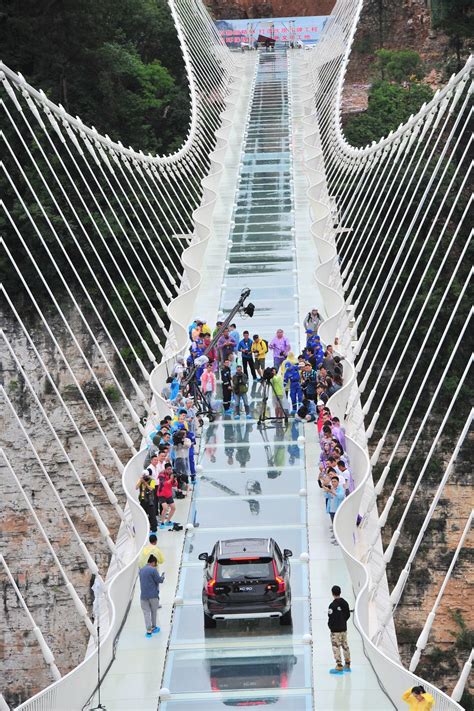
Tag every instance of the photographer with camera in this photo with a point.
(240, 388)
(280, 346)
(146, 496)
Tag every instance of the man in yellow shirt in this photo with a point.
(259, 350)
(150, 549)
(418, 699)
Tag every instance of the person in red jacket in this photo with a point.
(165, 498)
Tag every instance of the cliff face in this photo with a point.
(450, 639)
(23, 547)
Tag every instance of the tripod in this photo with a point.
(267, 384)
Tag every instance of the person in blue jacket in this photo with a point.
(245, 348)
(334, 494)
(292, 376)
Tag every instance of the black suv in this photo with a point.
(246, 578)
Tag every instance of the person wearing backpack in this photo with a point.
(240, 386)
(259, 351)
(313, 321)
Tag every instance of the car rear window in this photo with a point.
(234, 569)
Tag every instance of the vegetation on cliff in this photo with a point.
(115, 63)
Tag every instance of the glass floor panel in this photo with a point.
(225, 669)
(188, 628)
(265, 267)
(259, 253)
(283, 206)
(278, 307)
(272, 456)
(297, 702)
(255, 483)
(281, 239)
(255, 512)
(274, 229)
(190, 581)
(255, 280)
(225, 433)
(292, 537)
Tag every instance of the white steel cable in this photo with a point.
(48, 655)
(425, 632)
(396, 534)
(434, 224)
(403, 577)
(75, 240)
(122, 429)
(110, 494)
(78, 604)
(63, 357)
(434, 280)
(103, 529)
(420, 354)
(91, 564)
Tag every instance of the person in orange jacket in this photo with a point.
(417, 698)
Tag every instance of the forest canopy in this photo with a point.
(115, 63)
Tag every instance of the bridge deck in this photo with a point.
(251, 483)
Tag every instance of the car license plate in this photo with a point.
(245, 588)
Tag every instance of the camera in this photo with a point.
(178, 437)
(146, 478)
(268, 374)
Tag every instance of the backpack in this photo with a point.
(266, 343)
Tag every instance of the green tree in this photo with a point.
(116, 63)
(389, 106)
(399, 65)
(456, 19)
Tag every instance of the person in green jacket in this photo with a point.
(278, 393)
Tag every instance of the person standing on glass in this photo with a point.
(338, 614)
(150, 581)
(280, 346)
(245, 348)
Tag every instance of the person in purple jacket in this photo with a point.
(280, 346)
(339, 432)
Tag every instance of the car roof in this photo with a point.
(244, 545)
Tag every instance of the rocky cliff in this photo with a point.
(25, 551)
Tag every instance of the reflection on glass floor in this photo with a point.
(188, 628)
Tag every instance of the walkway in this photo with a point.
(253, 483)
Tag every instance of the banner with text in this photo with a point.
(290, 30)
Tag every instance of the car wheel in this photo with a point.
(209, 623)
(286, 619)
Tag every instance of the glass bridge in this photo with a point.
(250, 486)
(251, 476)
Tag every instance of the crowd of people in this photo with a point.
(299, 386)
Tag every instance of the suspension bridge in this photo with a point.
(108, 254)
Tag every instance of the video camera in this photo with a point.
(268, 374)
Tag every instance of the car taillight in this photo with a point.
(279, 580)
(212, 582)
(281, 584)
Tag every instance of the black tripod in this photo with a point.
(203, 406)
(267, 384)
